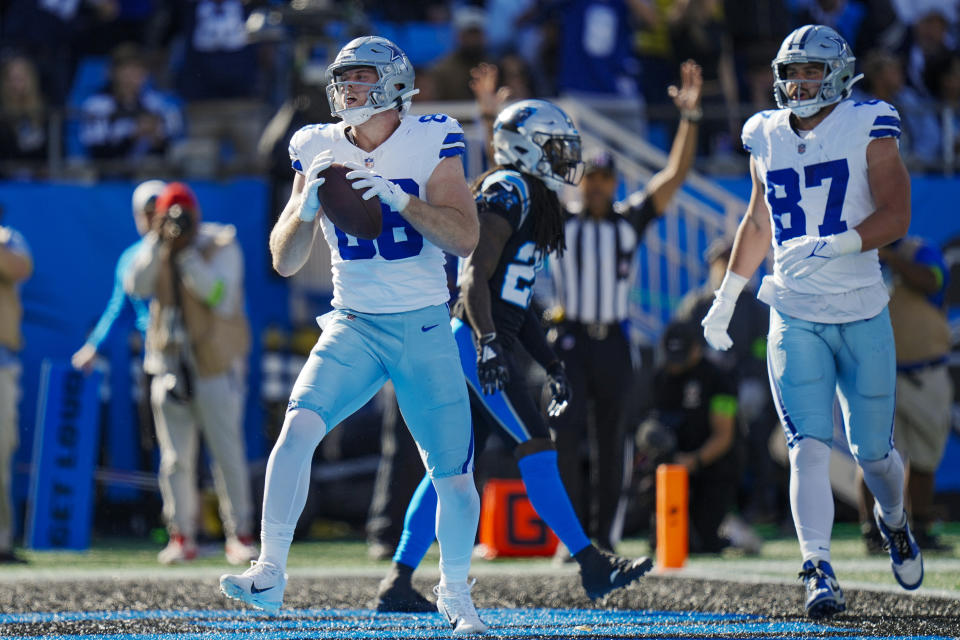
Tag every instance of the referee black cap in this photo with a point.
(599, 160)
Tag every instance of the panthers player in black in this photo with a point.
(537, 150)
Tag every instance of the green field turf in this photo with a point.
(779, 560)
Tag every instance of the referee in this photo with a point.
(592, 280)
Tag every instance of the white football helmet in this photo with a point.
(394, 89)
(537, 137)
(815, 43)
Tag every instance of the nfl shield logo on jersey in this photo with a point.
(368, 163)
(801, 148)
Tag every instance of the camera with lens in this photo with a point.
(178, 222)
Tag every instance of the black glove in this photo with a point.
(491, 365)
(559, 388)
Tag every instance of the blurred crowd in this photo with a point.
(186, 88)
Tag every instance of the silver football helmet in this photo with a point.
(537, 137)
(819, 44)
(394, 89)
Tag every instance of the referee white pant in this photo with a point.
(216, 410)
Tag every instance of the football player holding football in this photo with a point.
(390, 312)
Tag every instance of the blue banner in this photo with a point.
(64, 457)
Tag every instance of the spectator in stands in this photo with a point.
(23, 119)
(198, 340)
(756, 28)
(929, 38)
(698, 32)
(16, 265)
(695, 407)
(594, 58)
(920, 142)
(449, 79)
(127, 120)
(220, 76)
(865, 24)
(746, 366)
(924, 389)
(49, 33)
(942, 74)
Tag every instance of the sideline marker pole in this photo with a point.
(672, 516)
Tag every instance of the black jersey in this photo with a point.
(506, 193)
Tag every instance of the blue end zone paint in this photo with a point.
(342, 624)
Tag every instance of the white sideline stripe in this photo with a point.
(784, 572)
(748, 571)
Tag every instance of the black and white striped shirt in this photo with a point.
(594, 276)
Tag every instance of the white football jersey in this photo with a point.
(816, 185)
(400, 270)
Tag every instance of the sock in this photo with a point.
(884, 478)
(419, 525)
(549, 498)
(287, 483)
(458, 512)
(811, 497)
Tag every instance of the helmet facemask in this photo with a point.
(818, 45)
(392, 90)
(561, 158)
(537, 137)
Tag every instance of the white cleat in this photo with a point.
(905, 558)
(260, 586)
(455, 604)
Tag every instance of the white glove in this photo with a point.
(389, 193)
(311, 203)
(717, 320)
(805, 255)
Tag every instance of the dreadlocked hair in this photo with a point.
(545, 209)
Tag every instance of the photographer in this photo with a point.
(197, 342)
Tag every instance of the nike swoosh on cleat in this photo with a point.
(253, 589)
(425, 328)
(613, 575)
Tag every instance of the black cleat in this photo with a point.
(397, 595)
(602, 572)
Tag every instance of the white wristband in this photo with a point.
(847, 242)
(732, 285)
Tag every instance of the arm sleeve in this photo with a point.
(535, 341)
(141, 277)
(883, 120)
(453, 143)
(114, 306)
(218, 281)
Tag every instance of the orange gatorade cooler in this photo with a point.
(509, 526)
(672, 516)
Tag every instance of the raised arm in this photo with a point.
(666, 182)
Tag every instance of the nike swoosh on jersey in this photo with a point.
(426, 328)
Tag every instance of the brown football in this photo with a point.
(345, 206)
